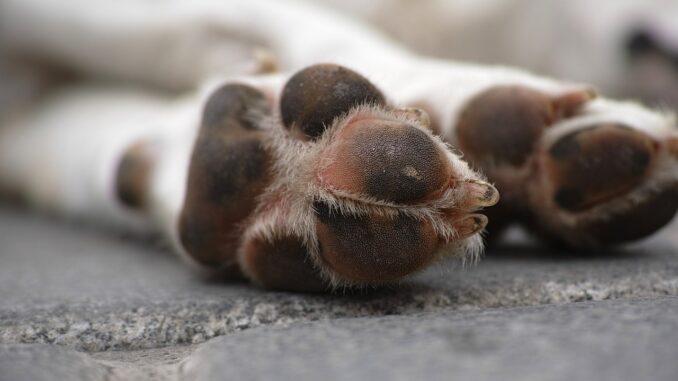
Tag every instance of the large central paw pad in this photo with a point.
(388, 160)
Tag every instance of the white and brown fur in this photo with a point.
(65, 155)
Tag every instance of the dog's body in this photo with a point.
(134, 158)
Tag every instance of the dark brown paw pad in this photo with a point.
(387, 160)
(502, 125)
(228, 169)
(282, 264)
(373, 248)
(594, 165)
(638, 220)
(318, 94)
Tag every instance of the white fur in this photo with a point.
(580, 40)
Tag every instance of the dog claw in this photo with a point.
(470, 225)
(416, 114)
(482, 194)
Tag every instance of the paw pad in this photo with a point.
(283, 263)
(502, 125)
(314, 96)
(592, 165)
(373, 248)
(229, 168)
(389, 161)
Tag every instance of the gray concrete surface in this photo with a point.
(41, 362)
(612, 340)
(138, 313)
(624, 339)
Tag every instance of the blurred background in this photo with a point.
(626, 48)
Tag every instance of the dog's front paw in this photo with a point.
(335, 188)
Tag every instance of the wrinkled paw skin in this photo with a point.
(573, 168)
(341, 190)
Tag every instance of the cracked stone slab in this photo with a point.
(47, 362)
(42, 362)
(623, 339)
(612, 340)
(79, 287)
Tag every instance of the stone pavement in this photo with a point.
(77, 303)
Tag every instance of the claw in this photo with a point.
(470, 225)
(416, 114)
(567, 104)
(482, 194)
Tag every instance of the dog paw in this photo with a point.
(584, 171)
(332, 186)
(601, 182)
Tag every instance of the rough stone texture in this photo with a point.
(92, 291)
(46, 362)
(40, 362)
(160, 364)
(142, 314)
(612, 340)
(628, 339)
